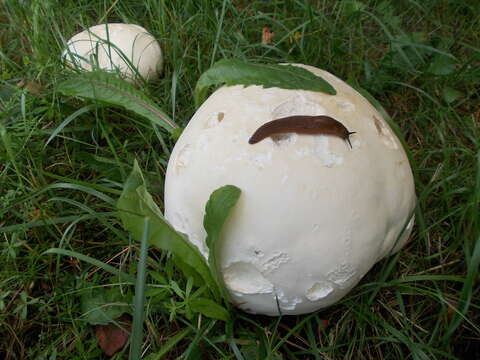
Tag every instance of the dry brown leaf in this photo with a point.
(267, 35)
(112, 338)
(324, 324)
(32, 87)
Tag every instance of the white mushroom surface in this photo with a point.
(126, 48)
(314, 214)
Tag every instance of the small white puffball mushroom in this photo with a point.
(314, 215)
(126, 48)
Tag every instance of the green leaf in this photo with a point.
(175, 135)
(236, 72)
(108, 88)
(6, 93)
(442, 65)
(218, 207)
(209, 308)
(217, 210)
(103, 305)
(135, 203)
(450, 95)
(188, 271)
(353, 6)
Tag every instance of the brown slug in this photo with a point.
(302, 124)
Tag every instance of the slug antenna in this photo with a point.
(347, 138)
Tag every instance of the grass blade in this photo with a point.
(92, 261)
(170, 344)
(69, 119)
(467, 291)
(139, 302)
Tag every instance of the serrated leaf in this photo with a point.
(101, 306)
(217, 210)
(135, 203)
(209, 308)
(108, 88)
(442, 65)
(236, 72)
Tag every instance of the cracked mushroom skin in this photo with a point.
(128, 48)
(314, 214)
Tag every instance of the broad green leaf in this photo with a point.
(442, 65)
(450, 94)
(175, 135)
(103, 305)
(217, 210)
(135, 203)
(353, 6)
(209, 308)
(236, 72)
(188, 271)
(108, 88)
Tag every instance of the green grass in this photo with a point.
(421, 61)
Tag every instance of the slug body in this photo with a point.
(302, 124)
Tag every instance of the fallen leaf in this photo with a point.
(323, 324)
(267, 35)
(32, 87)
(112, 338)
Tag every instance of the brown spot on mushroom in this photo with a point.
(384, 133)
(378, 124)
(214, 119)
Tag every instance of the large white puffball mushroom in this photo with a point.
(314, 215)
(126, 48)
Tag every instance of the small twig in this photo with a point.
(438, 267)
